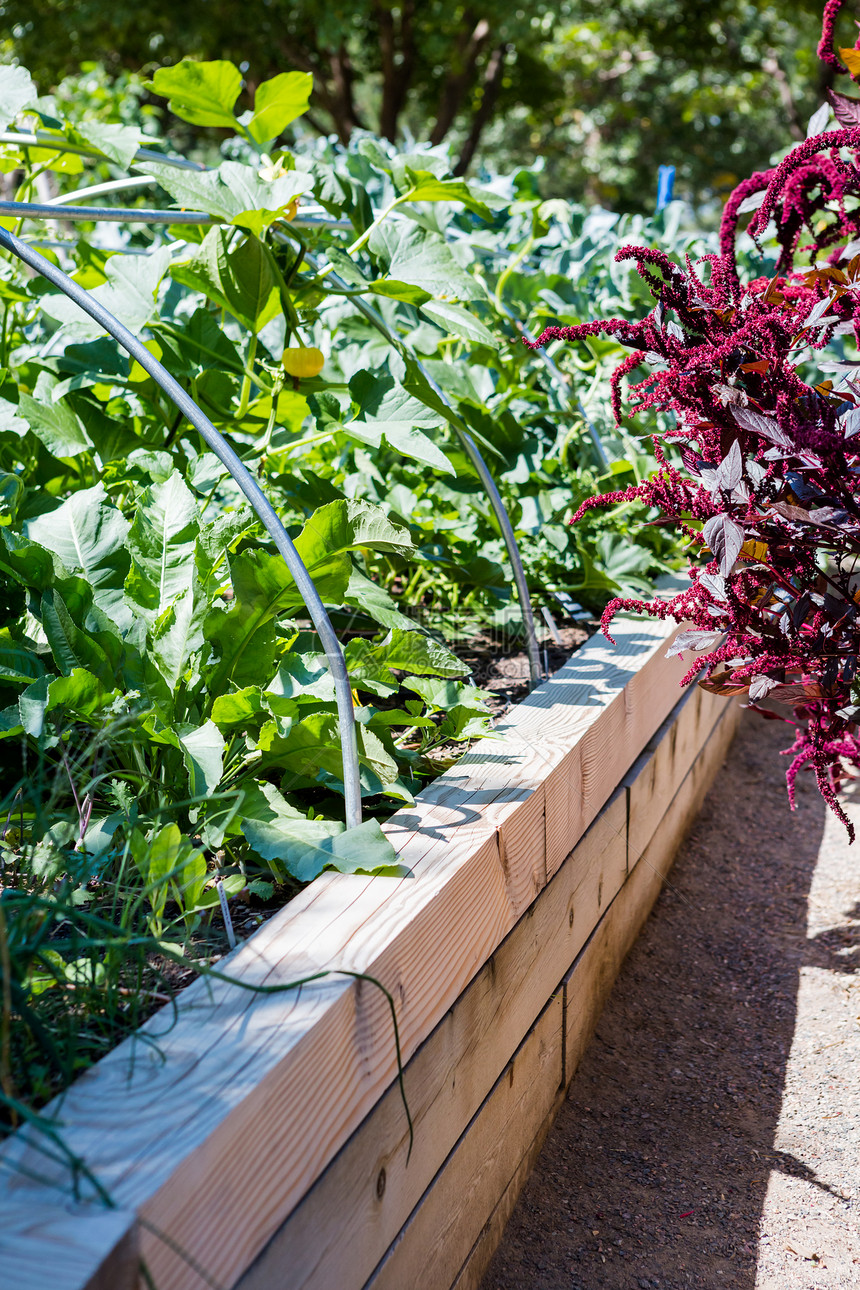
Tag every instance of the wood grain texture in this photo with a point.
(270, 1072)
(343, 1227)
(436, 1241)
(591, 978)
(657, 773)
(50, 1246)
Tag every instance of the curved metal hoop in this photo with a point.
(249, 486)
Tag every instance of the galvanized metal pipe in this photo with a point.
(474, 455)
(249, 486)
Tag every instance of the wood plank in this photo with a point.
(656, 775)
(590, 980)
(435, 1243)
(605, 750)
(489, 1238)
(592, 977)
(52, 1247)
(345, 1224)
(240, 1068)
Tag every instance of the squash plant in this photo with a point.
(167, 719)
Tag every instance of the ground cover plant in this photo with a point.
(766, 489)
(169, 739)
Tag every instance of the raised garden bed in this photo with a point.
(263, 1141)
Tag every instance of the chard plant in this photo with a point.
(760, 467)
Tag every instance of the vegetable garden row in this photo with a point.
(351, 320)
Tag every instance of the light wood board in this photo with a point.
(290, 1076)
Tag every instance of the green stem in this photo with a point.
(512, 268)
(368, 232)
(245, 395)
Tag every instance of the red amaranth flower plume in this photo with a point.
(768, 492)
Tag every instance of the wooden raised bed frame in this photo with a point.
(265, 1145)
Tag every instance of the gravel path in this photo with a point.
(712, 1133)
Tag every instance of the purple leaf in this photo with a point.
(725, 537)
(693, 639)
(731, 469)
(761, 425)
(760, 685)
(713, 583)
(845, 109)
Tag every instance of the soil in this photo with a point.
(506, 674)
(711, 1136)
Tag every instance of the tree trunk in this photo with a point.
(398, 64)
(462, 73)
(492, 84)
(772, 66)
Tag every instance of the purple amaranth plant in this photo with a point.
(768, 489)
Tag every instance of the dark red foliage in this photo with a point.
(769, 490)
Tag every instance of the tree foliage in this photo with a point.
(604, 93)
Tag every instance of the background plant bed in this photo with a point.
(263, 1142)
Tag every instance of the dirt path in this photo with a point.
(712, 1133)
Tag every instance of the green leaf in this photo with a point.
(277, 102)
(234, 192)
(443, 695)
(405, 291)
(458, 321)
(426, 187)
(177, 635)
(88, 534)
(346, 525)
(241, 708)
(162, 541)
(17, 91)
(129, 293)
(17, 663)
(117, 142)
(72, 647)
(418, 654)
(202, 93)
(243, 278)
(203, 754)
(291, 843)
(385, 408)
(81, 693)
(376, 602)
(425, 260)
(57, 425)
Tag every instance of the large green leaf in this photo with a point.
(71, 646)
(17, 662)
(17, 91)
(418, 654)
(236, 193)
(56, 424)
(345, 526)
(386, 409)
(162, 541)
(202, 93)
(427, 187)
(176, 636)
(129, 294)
(458, 321)
(203, 753)
(277, 102)
(117, 142)
(425, 260)
(240, 276)
(88, 534)
(293, 844)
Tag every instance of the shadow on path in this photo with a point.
(656, 1171)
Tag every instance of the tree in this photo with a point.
(605, 92)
